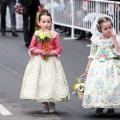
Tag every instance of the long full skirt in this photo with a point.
(45, 81)
(102, 89)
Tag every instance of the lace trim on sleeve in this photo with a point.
(117, 53)
(91, 56)
(30, 51)
(58, 55)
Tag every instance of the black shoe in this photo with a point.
(62, 29)
(68, 32)
(88, 34)
(14, 34)
(99, 111)
(110, 111)
(27, 44)
(81, 35)
(3, 33)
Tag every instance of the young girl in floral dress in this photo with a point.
(44, 79)
(102, 88)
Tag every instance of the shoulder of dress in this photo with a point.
(36, 32)
(118, 37)
(95, 39)
(53, 33)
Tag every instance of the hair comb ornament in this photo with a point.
(44, 13)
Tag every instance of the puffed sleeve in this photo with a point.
(58, 48)
(32, 46)
(93, 50)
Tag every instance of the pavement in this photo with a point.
(13, 61)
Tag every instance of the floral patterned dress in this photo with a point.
(102, 89)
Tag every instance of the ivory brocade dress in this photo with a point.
(102, 89)
(45, 81)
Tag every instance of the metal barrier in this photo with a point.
(80, 14)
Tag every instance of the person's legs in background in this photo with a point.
(32, 23)
(3, 17)
(29, 25)
(12, 17)
(82, 34)
(26, 28)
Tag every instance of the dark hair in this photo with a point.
(41, 5)
(45, 12)
(102, 20)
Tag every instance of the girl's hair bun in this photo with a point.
(44, 11)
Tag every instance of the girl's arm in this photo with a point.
(92, 55)
(88, 65)
(116, 43)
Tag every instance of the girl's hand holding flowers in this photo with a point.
(50, 53)
(44, 37)
(43, 52)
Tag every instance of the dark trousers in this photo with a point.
(29, 24)
(11, 5)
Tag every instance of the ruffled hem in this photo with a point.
(47, 100)
(100, 106)
(30, 51)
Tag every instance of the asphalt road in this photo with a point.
(13, 61)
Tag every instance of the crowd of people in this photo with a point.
(30, 13)
(44, 78)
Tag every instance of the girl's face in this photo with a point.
(45, 22)
(106, 28)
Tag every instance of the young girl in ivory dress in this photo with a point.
(102, 88)
(44, 79)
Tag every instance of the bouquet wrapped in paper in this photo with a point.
(19, 8)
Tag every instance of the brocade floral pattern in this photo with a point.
(45, 81)
(102, 89)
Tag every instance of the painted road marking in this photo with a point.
(4, 111)
(88, 45)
